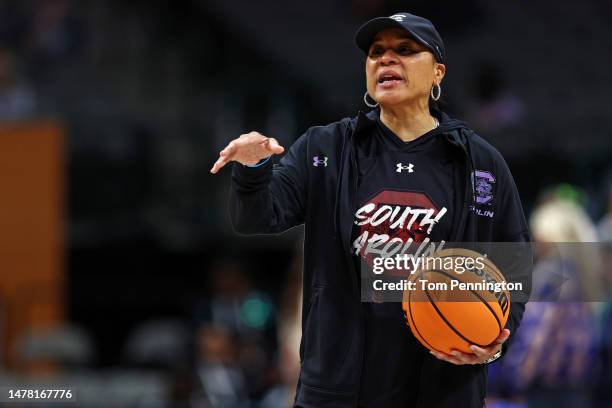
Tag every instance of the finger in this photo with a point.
(229, 149)
(272, 145)
(221, 161)
(503, 336)
(446, 357)
(217, 166)
(484, 352)
(465, 358)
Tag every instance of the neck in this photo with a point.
(408, 122)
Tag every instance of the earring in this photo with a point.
(433, 96)
(365, 99)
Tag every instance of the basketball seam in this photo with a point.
(492, 266)
(497, 272)
(448, 323)
(475, 294)
(414, 324)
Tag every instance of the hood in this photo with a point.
(454, 131)
(364, 121)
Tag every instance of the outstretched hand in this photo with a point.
(248, 149)
(479, 355)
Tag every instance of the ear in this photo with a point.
(439, 71)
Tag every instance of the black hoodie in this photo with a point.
(315, 184)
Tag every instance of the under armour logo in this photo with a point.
(398, 17)
(409, 167)
(319, 162)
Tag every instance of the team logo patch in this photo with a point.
(398, 17)
(319, 162)
(483, 183)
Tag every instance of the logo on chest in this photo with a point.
(400, 167)
(392, 222)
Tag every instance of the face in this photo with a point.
(399, 70)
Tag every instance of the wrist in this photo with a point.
(260, 163)
(493, 357)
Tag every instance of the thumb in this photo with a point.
(272, 145)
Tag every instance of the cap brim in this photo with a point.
(365, 34)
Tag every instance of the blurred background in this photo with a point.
(119, 273)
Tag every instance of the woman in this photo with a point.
(404, 153)
(554, 361)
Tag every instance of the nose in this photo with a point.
(388, 58)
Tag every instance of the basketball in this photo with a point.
(455, 303)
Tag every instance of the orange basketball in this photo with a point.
(451, 306)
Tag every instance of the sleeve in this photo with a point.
(512, 242)
(270, 198)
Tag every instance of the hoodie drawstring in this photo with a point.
(339, 184)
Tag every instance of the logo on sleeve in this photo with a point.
(319, 162)
(483, 183)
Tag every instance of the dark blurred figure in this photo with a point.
(256, 366)
(229, 287)
(158, 344)
(289, 335)
(234, 303)
(604, 227)
(603, 395)
(246, 315)
(218, 370)
(603, 391)
(604, 231)
(54, 35)
(55, 350)
(17, 99)
(554, 358)
(13, 22)
(494, 106)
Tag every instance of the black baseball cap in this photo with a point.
(419, 28)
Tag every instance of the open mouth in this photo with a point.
(387, 79)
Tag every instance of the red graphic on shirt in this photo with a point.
(394, 223)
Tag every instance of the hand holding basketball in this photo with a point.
(461, 326)
(248, 149)
(481, 354)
